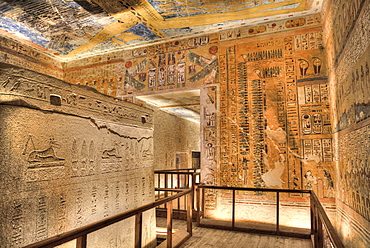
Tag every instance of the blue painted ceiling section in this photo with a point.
(89, 27)
(184, 8)
(53, 24)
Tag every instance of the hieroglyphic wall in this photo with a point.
(275, 130)
(198, 62)
(345, 15)
(158, 67)
(209, 140)
(268, 124)
(347, 41)
(177, 64)
(20, 54)
(271, 113)
(70, 157)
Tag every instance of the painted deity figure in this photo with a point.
(329, 184)
(310, 180)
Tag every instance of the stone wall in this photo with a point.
(264, 99)
(172, 135)
(69, 157)
(347, 44)
(26, 56)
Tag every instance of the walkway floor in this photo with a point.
(207, 238)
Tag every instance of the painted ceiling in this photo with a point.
(71, 29)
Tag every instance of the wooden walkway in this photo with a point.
(207, 238)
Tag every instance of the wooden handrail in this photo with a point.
(326, 222)
(188, 169)
(177, 172)
(254, 189)
(319, 217)
(83, 231)
(169, 189)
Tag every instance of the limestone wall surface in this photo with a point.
(347, 40)
(172, 135)
(69, 157)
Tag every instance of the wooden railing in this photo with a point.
(80, 234)
(322, 232)
(318, 216)
(168, 181)
(320, 223)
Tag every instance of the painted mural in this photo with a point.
(275, 124)
(265, 104)
(181, 63)
(70, 29)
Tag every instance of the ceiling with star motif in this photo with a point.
(68, 29)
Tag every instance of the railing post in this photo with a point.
(187, 180)
(189, 214)
(233, 211)
(312, 214)
(172, 183)
(277, 212)
(159, 180)
(138, 229)
(81, 241)
(178, 186)
(165, 184)
(169, 224)
(159, 185)
(203, 201)
(317, 228)
(193, 195)
(320, 233)
(198, 204)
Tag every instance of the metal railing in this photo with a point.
(80, 234)
(318, 217)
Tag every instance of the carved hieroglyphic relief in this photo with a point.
(39, 90)
(83, 159)
(275, 128)
(180, 63)
(62, 213)
(353, 94)
(270, 27)
(349, 51)
(15, 53)
(209, 141)
(352, 110)
(43, 164)
(67, 161)
(345, 15)
(17, 223)
(41, 218)
(354, 171)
